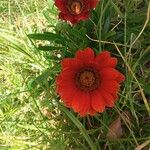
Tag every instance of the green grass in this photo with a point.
(31, 113)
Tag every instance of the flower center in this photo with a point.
(75, 7)
(87, 79)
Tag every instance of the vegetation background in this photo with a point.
(31, 115)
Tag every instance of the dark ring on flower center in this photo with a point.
(87, 79)
(75, 7)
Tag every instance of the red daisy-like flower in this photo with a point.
(89, 83)
(75, 10)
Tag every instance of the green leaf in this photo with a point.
(80, 126)
(40, 79)
(109, 34)
(116, 8)
(47, 36)
(49, 48)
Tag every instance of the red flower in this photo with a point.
(75, 10)
(87, 83)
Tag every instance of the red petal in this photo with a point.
(86, 5)
(93, 3)
(98, 103)
(113, 62)
(92, 112)
(81, 103)
(58, 79)
(76, 101)
(102, 56)
(83, 16)
(71, 63)
(86, 55)
(111, 74)
(74, 19)
(61, 5)
(65, 97)
(105, 60)
(66, 77)
(120, 77)
(68, 17)
(110, 62)
(67, 62)
(67, 91)
(66, 86)
(84, 104)
(110, 86)
(115, 96)
(109, 99)
(108, 74)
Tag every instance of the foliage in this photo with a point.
(31, 113)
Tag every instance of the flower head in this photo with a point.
(75, 10)
(89, 83)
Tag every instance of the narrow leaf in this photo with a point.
(79, 125)
(49, 48)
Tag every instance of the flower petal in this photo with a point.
(84, 104)
(71, 63)
(66, 76)
(86, 55)
(109, 99)
(61, 5)
(110, 62)
(104, 55)
(110, 86)
(67, 89)
(93, 3)
(105, 60)
(67, 17)
(76, 101)
(109, 74)
(92, 112)
(83, 16)
(120, 77)
(66, 93)
(97, 101)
